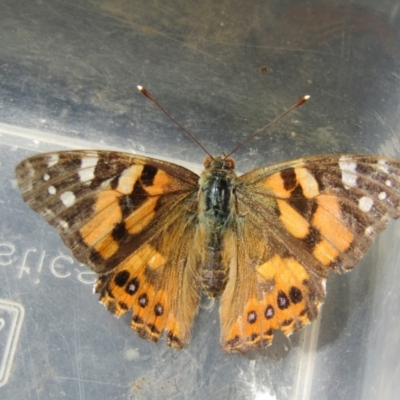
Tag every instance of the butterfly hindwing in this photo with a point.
(296, 221)
(159, 282)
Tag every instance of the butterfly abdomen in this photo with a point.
(216, 202)
(214, 273)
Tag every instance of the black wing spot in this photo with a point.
(133, 286)
(174, 341)
(158, 310)
(143, 300)
(295, 295)
(235, 341)
(153, 329)
(269, 312)
(121, 278)
(313, 238)
(287, 322)
(282, 300)
(306, 312)
(132, 201)
(119, 231)
(253, 337)
(148, 174)
(94, 256)
(269, 332)
(289, 179)
(251, 317)
(137, 320)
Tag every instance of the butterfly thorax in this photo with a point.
(216, 208)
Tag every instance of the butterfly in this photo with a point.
(158, 234)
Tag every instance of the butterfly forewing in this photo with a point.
(103, 203)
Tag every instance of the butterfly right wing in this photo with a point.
(296, 221)
(131, 219)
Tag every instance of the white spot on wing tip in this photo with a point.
(348, 167)
(68, 199)
(383, 166)
(365, 204)
(388, 183)
(369, 231)
(88, 165)
(54, 158)
(52, 190)
(63, 224)
(46, 177)
(86, 174)
(89, 162)
(382, 196)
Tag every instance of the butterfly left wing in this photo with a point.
(295, 222)
(132, 220)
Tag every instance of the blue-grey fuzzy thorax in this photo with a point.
(217, 194)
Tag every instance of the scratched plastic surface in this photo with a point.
(68, 76)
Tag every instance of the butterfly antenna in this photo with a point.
(149, 95)
(279, 117)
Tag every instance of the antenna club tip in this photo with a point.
(300, 102)
(140, 88)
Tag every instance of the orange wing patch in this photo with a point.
(286, 299)
(133, 285)
(140, 218)
(106, 215)
(277, 183)
(284, 182)
(294, 187)
(336, 238)
(98, 231)
(293, 221)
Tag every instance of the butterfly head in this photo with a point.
(219, 162)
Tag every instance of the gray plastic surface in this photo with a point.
(68, 76)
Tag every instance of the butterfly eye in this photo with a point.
(207, 161)
(229, 163)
